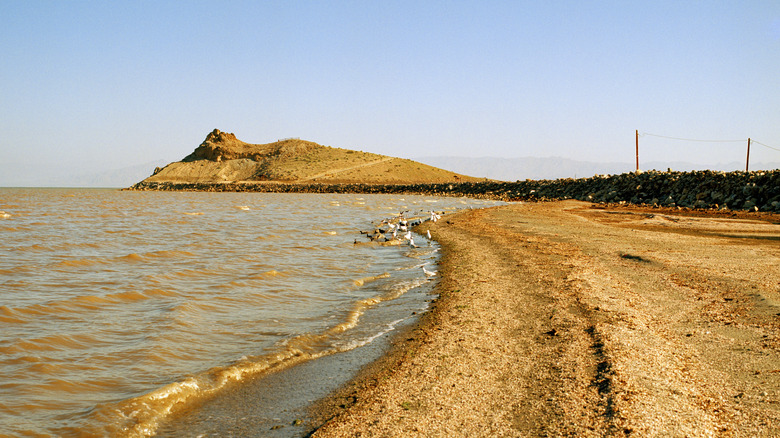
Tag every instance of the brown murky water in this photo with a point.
(119, 308)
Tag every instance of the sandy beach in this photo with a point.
(568, 319)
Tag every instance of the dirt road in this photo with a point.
(559, 319)
(345, 169)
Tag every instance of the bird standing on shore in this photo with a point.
(402, 223)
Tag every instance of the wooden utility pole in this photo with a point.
(637, 150)
(747, 160)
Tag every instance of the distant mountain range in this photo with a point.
(38, 176)
(514, 169)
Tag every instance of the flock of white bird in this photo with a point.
(399, 224)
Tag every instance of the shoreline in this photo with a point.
(702, 190)
(551, 319)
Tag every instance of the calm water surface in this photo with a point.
(117, 308)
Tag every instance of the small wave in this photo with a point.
(154, 293)
(78, 304)
(120, 297)
(271, 273)
(168, 254)
(72, 387)
(197, 213)
(186, 313)
(17, 270)
(81, 245)
(357, 343)
(9, 316)
(35, 248)
(132, 258)
(26, 360)
(86, 301)
(14, 229)
(307, 248)
(359, 308)
(126, 297)
(261, 276)
(51, 343)
(262, 237)
(232, 284)
(187, 273)
(363, 281)
(79, 263)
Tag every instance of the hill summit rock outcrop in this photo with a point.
(219, 146)
(223, 158)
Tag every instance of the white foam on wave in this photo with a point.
(357, 343)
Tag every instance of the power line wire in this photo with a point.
(642, 134)
(691, 139)
(764, 145)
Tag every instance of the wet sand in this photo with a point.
(563, 319)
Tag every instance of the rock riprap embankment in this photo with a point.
(756, 191)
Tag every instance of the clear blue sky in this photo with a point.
(111, 84)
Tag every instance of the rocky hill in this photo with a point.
(223, 158)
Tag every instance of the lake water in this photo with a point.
(120, 309)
